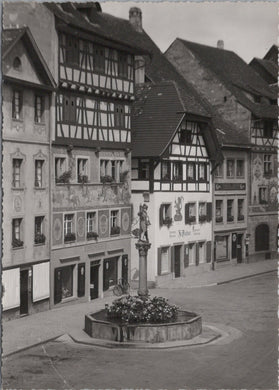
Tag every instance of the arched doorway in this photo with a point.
(262, 237)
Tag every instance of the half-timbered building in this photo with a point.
(26, 96)
(243, 98)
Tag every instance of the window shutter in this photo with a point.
(161, 216)
(72, 111)
(57, 286)
(172, 259)
(186, 256)
(187, 217)
(197, 254)
(81, 280)
(209, 211)
(159, 262)
(208, 252)
(66, 109)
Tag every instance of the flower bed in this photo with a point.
(136, 309)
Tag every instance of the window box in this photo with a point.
(230, 218)
(240, 218)
(40, 238)
(92, 235)
(269, 172)
(167, 221)
(202, 218)
(82, 179)
(64, 178)
(115, 230)
(219, 219)
(70, 237)
(107, 179)
(16, 243)
(192, 219)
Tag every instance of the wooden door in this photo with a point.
(177, 261)
(24, 292)
(81, 280)
(94, 281)
(57, 286)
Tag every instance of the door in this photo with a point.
(177, 261)
(24, 292)
(81, 280)
(125, 267)
(239, 248)
(94, 281)
(57, 286)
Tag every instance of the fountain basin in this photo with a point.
(185, 327)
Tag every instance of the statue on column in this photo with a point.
(143, 223)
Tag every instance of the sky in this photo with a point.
(249, 29)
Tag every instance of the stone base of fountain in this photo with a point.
(185, 327)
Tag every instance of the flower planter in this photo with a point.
(115, 230)
(107, 179)
(40, 239)
(202, 218)
(16, 243)
(83, 179)
(92, 236)
(167, 221)
(64, 178)
(70, 237)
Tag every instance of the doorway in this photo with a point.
(239, 248)
(177, 258)
(125, 268)
(94, 281)
(24, 292)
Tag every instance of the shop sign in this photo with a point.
(230, 186)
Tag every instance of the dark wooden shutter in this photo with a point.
(66, 109)
(159, 262)
(187, 217)
(172, 259)
(197, 253)
(161, 215)
(209, 211)
(57, 286)
(81, 280)
(234, 242)
(208, 252)
(72, 113)
(186, 256)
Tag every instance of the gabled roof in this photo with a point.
(269, 66)
(103, 25)
(238, 77)
(10, 37)
(156, 114)
(272, 54)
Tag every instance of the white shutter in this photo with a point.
(10, 282)
(40, 281)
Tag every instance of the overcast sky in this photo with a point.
(249, 29)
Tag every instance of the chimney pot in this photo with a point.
(220, 44)
(135, 18)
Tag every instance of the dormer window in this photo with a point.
(17, 64)
(72, 50)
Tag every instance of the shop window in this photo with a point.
(262, 237)
(143, 170)
(39, 109)
(239, 168)
(202, 212)
(165, 214)
(190, 213)
(39, 173)
(177, 171)
(17, 105)
(119, 116)
(202, 172)
(219, 171)
(63, 283)
(99, 59)
(230, 211)
(69, 234)
(69, 109)
(263, 195)
(219, 211)
(268, 129)
(222, 247)
(191, 171)
(268, 164)
(81, 280)
(114, 223)
(91, 222)
(122, 65)
(72, 50)
(17, 234)
(110, 272)
(230, 168)
(60, 169)
(166, 170)
(82, 170)
(39, 237)
(17, 172)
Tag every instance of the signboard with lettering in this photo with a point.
(230, 186)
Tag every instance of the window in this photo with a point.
(17, 233)
(190, 213)
(69, 234)
(230, 213)
(202, 171)
(82, 170)
(60, 168)
(263, 195)
(165, 214)
(143, 170)
(122, 65)
(191, 171)
(267, 163)
(69, 109)
(63, 283)
(119, 116)
(17, 164)
(239, 168)
(39, 173)
(164, 260)
(240, 210)
(112, 171)
(114, 222)
(177, 171)
(99, 59)
(230, 168)
(202, 212)
(39, 109)
(91, 222)
(185, 137)
(39, 237)
(17, 64)
(219, 211)
(219, 171)
(72, 50)
(110, 272)
(17, 105)
(166, 170)
(268, 129)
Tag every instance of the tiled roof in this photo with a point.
(10, 37)
(269, 66)
(238, 77)
(156, 114)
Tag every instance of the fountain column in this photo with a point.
(142, 247)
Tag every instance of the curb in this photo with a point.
(246, 277)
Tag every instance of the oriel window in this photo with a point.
(39, 109)
(39, 173)
(17, 104)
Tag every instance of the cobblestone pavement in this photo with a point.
(249, 362)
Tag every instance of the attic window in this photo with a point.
(17, 64)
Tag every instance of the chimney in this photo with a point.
(135, 18)
(220, 44)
